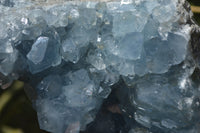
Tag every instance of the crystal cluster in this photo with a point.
(75, 53)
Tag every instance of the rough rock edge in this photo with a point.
(194, 42)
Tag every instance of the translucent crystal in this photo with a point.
(80, 89)
(122, 23)
(163, 95)
(130, 46)
(76, 55)
(7, 62)
(38, 50)
(48, 49)
(70, 51)
(70, 104)
(95, 58)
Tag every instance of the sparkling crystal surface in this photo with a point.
(77, 54)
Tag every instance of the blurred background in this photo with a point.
(16, 112)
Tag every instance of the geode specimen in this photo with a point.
(75, 53)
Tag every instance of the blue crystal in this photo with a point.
(38, 50)
(47, 51)
(130, 47)
(80, 55)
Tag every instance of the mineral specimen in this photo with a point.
(80, 54)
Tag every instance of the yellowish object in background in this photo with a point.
(6, 129)
(7, 95)
(195, 9)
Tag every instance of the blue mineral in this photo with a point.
(44, 52)
(38, 50)
(165, 101)
(100, 64)
(70, 52)
(130, 47)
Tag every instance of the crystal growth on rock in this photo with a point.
(78, 54)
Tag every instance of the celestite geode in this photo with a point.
(74, 53)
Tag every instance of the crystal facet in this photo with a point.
(136, 61)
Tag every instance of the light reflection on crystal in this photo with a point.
(76, 53)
